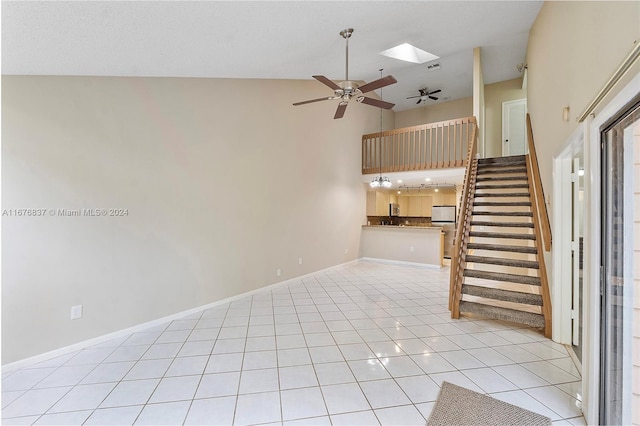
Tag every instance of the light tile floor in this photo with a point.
(365, 343)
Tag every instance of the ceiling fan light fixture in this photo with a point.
(408, 53)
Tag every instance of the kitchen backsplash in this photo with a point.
(398, 220)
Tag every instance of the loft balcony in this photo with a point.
(441, 145)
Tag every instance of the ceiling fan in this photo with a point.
(424, 94)
(347, 89)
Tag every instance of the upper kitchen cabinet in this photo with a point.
(415, 205)
(378, 203)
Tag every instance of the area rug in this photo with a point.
(460, 406)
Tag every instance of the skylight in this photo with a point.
(409, 53)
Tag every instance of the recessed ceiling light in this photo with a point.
(399, 180)
(409, 53)
(428, 179)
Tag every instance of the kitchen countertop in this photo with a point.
(403, 227)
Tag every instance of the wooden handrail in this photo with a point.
(458, 262)
(541, 206)
(427, 146)
(542, 269)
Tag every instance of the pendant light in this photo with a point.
(380, 181)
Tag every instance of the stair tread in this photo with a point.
(505, 170)
(502, 276)
(502, 203)
(524, 214)
(504, 295)
(503, 224)
(502, 261)
(502, 160)
(505, 186)
(498, 178)
(502, 247)
(505, 314)
(502, 194)
(508, 235)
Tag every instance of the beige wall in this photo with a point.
(573, 49)
(478, 98)
(404, 244)
(433, 113)
(494, 95)
(223, 181)
(635, 377)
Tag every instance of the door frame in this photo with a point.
(505, 123)
(562, 227)
(592, 244)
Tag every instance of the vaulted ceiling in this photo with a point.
(269, 40)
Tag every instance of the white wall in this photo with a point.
(224, 182)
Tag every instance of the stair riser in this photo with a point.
(503, 224)
(503, 248)
(502, 160)
(503, 295)
(512, 263)
(502, 236)
(497, 276)
(533, 320)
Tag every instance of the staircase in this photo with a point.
(500, 273)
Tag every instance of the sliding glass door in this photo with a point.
(615, 285)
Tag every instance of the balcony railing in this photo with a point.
(428, 146)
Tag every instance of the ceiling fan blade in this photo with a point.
(412, 97)
(324, 80)
(376, 102)
(376, 84)
(340, 111)
(419, 100)
(435, 91)
(315, 100)
(433, 97)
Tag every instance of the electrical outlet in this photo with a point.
(278, 272)
(299, 261)
(76, 312)
(412, 249)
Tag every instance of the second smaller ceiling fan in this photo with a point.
(424, 94)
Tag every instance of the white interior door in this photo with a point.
(514, 130)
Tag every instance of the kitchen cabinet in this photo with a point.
(403, 202)
(427, 203)
(378, 203)
(415, 205)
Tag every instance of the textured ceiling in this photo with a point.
(267, 39)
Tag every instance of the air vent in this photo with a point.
(433, 66)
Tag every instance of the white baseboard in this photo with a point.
(141, 327)
(401, 262)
